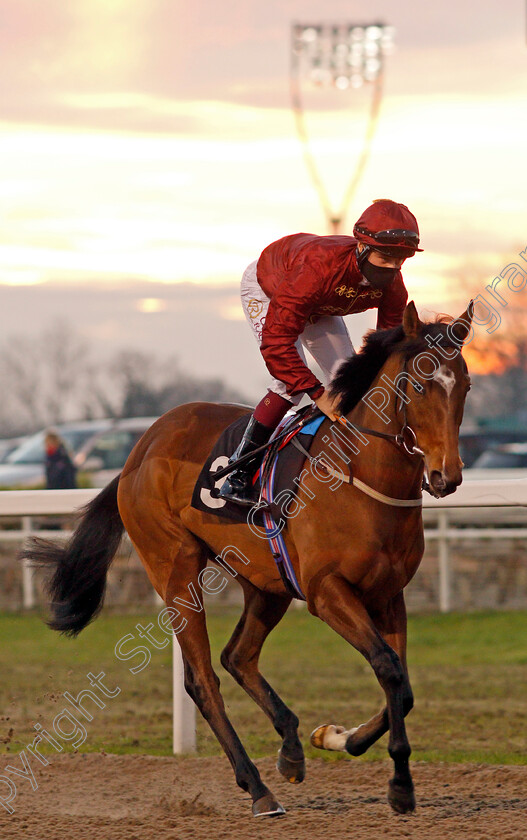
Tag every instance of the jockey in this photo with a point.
(294, 297)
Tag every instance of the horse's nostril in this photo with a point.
(437, 481)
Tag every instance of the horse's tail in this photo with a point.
(80, 567)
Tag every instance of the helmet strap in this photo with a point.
(362, 256)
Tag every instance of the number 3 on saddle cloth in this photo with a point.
(277, 494)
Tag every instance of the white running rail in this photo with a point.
(494, 493)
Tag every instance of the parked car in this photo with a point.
(99, 449)
(504, 456)
(8, 445)
(103, 456)
(474, 442)
(504, 460)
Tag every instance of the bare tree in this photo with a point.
(53, 378)
(144, 386)
(43, 376)
(21, 382)
(66, 367)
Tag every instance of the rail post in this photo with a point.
(28, 583)
(445, 576)
(184, 709)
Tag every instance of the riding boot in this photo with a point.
(237, 486)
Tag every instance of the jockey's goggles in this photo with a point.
(395, 236)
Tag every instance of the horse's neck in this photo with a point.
(385, 463)
(378, 408)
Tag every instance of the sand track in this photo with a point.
(148, 798)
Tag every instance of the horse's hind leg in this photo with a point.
(391, 624)
(163, 544)
(240, 657)
(336, 603)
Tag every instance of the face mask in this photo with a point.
(378, 277)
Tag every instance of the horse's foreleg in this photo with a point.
(240, 657)
(391, 624)
(336, 603)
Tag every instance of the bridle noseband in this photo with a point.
(406, 439)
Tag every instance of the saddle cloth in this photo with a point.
(288, 466)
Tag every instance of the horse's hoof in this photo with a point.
(317, 736)
(402, 799)
(267, 806)
(326, 737)
(293, 770)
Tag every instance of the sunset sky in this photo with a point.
(150, 143)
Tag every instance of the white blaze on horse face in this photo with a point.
(446, 378)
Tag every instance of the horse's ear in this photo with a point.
(460, 328)
(411, 322)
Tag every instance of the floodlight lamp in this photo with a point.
(373, 65)
(371, 48)
(309, 34)
(373, 32)
(341, 55)
(371, 71)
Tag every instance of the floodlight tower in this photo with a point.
(341, 56)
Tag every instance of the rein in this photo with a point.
(356, 482)
(265, 447)
(406, 440)
(400, 438)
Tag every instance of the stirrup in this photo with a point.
(254, 436)
(241, 494)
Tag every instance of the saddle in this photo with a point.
(273, 482)
(286, 460)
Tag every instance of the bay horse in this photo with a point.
(352, 553)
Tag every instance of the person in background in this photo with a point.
(60, 470)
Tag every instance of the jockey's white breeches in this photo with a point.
(327, 340)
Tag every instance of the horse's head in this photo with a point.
(437, 385)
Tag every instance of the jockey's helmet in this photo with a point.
(388, 227)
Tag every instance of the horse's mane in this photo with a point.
(356, 374)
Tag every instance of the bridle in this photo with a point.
(406, 439)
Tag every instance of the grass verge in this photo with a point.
(468, 672)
